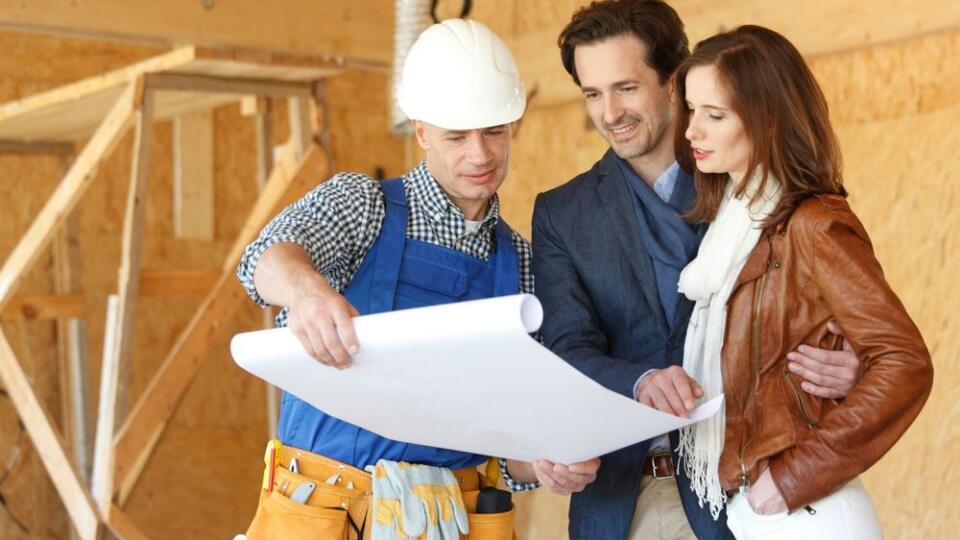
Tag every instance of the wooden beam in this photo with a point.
(73, 111)
(149, 417)
(356, 32)
(55, 148)
(65, 197)
(852, 24)
(187, 82)
(193, 213)
(153, 284)
(166, 283)
(45, 307)
(47, 443)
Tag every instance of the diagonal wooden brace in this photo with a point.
(67, 194)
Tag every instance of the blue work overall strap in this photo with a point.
(507, 278)
(388, 251)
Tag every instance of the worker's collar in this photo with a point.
(438, 207)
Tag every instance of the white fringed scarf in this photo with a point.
(708, 280)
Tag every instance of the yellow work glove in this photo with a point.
(416, 501)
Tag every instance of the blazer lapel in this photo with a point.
(617, 201)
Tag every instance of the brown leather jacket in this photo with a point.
(817, 266)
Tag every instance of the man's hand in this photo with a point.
(566, 479)
(764, 497)
(669, 390)
(827, 374)
(324, 327)
(318, 315)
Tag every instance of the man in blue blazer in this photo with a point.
(608, 248)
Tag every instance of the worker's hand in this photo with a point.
(669, 390)
(764, 497)
(827, 374)
(322, 323)
(566, 479)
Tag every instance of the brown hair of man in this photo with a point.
(784, 115)
(653, 22)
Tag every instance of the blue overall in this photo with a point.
(401, 273)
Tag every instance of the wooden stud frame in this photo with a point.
(121, 454)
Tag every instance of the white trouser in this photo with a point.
(845, 514)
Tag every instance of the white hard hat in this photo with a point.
(460, 75)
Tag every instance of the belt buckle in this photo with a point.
(653, 463)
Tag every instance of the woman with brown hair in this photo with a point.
(783, 257)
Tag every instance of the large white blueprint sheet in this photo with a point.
(465, 376)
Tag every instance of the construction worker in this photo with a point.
(355, 246)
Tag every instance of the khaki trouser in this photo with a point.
(339, 511)
(659, 513)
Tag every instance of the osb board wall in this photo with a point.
(895, 108)
(202, 481)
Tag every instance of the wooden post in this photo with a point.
(101, 479)
(71, 348)
(116, 370)
(301, 124)
(128, 282)
(264, 128)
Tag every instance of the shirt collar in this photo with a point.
(666, 182)
(437, 206)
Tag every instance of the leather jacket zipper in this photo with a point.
(802, 403)
(754, 372)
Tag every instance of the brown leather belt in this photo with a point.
(658, 464)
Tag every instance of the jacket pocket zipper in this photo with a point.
(802, 403)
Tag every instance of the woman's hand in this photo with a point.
(764, 497)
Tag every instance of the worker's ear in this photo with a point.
(419, 130)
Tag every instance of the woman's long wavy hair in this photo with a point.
(783, 112)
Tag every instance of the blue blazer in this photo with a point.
(603, 315)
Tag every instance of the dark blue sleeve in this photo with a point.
(571, 326)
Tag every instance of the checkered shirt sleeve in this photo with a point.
(336, 223)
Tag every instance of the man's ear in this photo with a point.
(672, 81)
(419, 132)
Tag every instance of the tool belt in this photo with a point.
(339, 506)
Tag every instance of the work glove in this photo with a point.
(416, 502)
